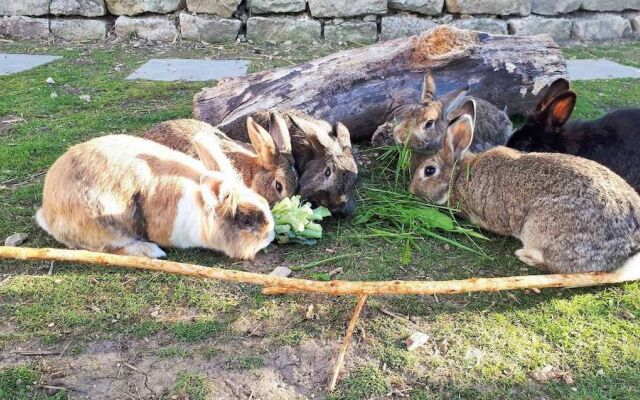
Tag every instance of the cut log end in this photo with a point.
(440, 43)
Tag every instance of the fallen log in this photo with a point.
(362, 87)
(275, 284)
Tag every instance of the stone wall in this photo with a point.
(360, 21)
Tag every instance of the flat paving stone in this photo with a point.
(177, 69)
(582, 70)
(12, 63)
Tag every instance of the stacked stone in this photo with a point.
(360, 21)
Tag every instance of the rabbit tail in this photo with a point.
(40, 220)
(630, 270)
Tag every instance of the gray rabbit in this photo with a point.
(423, 125)
(571, 214)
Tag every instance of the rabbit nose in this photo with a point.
(346, 208)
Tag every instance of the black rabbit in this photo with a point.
(613, 140)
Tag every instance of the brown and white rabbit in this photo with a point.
(127, 195)
(266, 165)
(571, 214)
(423, 125)
(612, 140)
(324, 158)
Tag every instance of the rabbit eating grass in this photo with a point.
(571, 214)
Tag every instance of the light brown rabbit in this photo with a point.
(571, 214)
(266, 165)
(423, 125)
(126, 195)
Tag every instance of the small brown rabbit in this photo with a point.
(423, 125)
(267, 167)
(324, 158)
(571, 214)
(126, 195)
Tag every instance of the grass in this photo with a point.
(173, 352)
(364, 382)
(244, 363)
(21, 383)
(191, 386)
(482, 346)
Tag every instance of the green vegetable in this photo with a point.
(295, 221)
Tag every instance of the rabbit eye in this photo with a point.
(327, 172)
(278, 186)
(428, 124)
(429, 170)
(246, 221)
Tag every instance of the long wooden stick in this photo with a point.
(276, 284)
(345, 343)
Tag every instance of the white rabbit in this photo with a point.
(127, 195)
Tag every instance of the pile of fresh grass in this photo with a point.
(387, 210)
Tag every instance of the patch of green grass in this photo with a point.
(244, 363)
(198, 330)
(191, 386)
(173, 352)
(21, 383)
(364, 382)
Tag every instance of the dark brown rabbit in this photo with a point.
(613, 140)
(323, 156)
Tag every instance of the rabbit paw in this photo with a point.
(145, 249)
(531, 257)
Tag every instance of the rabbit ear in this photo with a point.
(451, 101)
(344, 137)
(468, 107)
(262, 143)
(208, 148)
(318, 139)
(280, 132)
(560, 109)
(428, 88)
(212, 185)
(458, 138)
(558, 87)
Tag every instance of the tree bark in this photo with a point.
(362, 87)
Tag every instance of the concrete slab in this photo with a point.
(582, 70)
(12, 63)
(176, 69)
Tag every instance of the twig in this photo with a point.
(276, 285)
(50, 269)
(55, 388)
(5, 280)
(320, 262)
(399, 317)
(345, 343)
(65, 348)
(38, 353)
(16, 182)
(131, 367)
